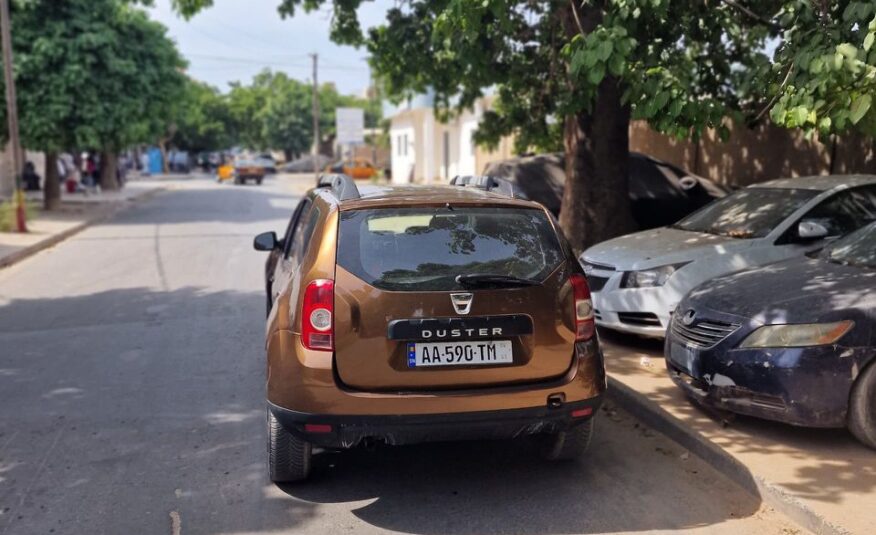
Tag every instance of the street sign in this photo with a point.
(350, 123)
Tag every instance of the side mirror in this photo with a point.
(266, 241)
(812, 230)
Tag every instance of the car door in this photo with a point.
(275, 269)
(295, 248)
(841, 213)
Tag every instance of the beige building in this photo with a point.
(426, 150)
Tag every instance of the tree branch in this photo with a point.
(778, 94)
(752, 14)
(575, 15)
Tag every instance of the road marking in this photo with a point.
(175, 523)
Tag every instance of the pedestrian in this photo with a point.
(144, 163)
(30, 177)
(89, 171)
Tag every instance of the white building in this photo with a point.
(425, 150)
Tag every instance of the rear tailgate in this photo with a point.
(380, 323)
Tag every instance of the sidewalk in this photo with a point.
(76, 213)
(823, 479)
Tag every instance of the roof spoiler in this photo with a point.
(342, 186)
(490, 183)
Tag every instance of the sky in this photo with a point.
(236, 39)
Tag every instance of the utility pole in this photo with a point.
(12, 113)
(315, 116)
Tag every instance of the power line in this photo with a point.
(261, 61)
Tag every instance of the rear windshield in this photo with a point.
(426, 248)
(747, 213)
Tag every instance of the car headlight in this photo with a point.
(801, 335)
(650, 278)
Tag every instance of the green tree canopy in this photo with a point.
(579, 70)
(203, 119)
(275, 112)
(91, 74)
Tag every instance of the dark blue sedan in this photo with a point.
(793, 342)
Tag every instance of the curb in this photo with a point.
(656, 417)
(55, 239)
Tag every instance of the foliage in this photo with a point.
(8, 214)
(824, 74)
(91, 74)
(275, 111)
(203, 119)
(685, 65)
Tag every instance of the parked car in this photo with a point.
(637, 280)
(415, 314)
(358, 168)
(267, 161)
(245, 170)
(660, 193)
(305, 163)
(793, 342)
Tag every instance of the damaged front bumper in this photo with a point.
(807, 386)
(332, 431)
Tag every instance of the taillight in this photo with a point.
(317, 315)
(585, 327)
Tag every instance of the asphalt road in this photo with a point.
(131, 402)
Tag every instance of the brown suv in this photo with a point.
(412, 314)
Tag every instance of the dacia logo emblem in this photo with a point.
(462, 303)
(689, 317)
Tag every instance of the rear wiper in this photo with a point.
(487, 279)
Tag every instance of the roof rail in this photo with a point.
(342, 186)
(490, 183)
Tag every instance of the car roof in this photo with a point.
(377, 196)
(819, 183)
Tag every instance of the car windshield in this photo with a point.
(426, 248)
(856, 249)
(747, 213)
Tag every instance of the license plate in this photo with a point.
(681, 356)
(459, 353)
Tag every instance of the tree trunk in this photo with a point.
(109, 168)
(165, 165)
(52, 186)
(596, 202)
(288, 154)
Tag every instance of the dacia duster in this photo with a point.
(413, 314)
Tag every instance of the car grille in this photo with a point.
(645, 319)
(703, 334)
(596, 283)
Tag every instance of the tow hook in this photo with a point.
(555, 401)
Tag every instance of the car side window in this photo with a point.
(846, 211)
(303, 233)
(294, 227)
(287, 237)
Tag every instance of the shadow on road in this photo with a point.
(631, 481)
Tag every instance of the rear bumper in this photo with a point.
(349, 431)
(305, 382)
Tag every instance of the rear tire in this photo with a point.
(288, 456)
(862, 407)
(569, 445)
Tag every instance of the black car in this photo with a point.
(793, 342)
(660, 193)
